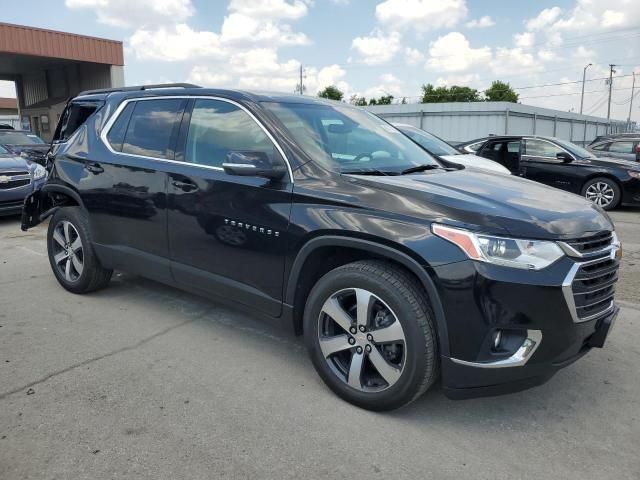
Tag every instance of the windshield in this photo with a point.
(20, 138)
(429, 142)
(574, 149)
(347, 139)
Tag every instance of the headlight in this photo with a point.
(39, 172)
(508, 252)
(634, 173)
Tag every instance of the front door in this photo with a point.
(227, 234)
(540, 163)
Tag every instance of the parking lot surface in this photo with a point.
(144, 381)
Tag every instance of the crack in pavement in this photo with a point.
(100, 357)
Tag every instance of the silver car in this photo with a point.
(626, 148)
(18, 178)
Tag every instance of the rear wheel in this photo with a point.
(370, 334)
(604, 192)
(71, 253)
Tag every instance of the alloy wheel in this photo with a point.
(600, 193)
(362, 340)
(68, 253)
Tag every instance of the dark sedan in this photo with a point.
(18, 178)
(26, 144)
(608, 182)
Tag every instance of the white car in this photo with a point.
(437, 146)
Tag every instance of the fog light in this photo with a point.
(497, 337)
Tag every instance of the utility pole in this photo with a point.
(584, 74)
(301, 85)
(633, 86)
(611, 72)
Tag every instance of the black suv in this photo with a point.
(395, 269)
(608, 182)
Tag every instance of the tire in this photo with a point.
(71, 254)
(397, 306)
(602, 191)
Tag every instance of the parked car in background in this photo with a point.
(436, 146)
(19, 177)
(398, 272)
(624, 148)
(608, 182)
(471, 146)
(4, 126)
(25, 143)
(612, 136)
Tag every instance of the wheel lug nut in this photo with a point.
(362, 329)
(370, 337)
(353, 330)
(359, 349)
(352, 340)
(368, 348)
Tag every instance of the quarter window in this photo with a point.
(218, 128)
(540, 148)
(152, 128)
(116, 134)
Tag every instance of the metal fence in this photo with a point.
(460, 122)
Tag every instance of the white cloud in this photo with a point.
(127, 13)
(389, 85)
(239, 28)
(271, 9)
(510, 60)
(175, 44)
(453, 53)
(421, 14)
(544, 18)
(7, 89)
(600, 15)
(413, 56)
(377, 48)
(460, 80)
(524, 40)
(202, 75)
(482, 22)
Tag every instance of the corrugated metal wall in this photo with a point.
(34, 87)
(460, 122)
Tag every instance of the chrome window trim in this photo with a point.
(547, 141)
(567, 290)
(122, 106)
(519, 358)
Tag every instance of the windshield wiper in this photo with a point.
(368, 171)
(420, 168)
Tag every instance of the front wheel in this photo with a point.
(370, 334)
(604, 192)
(71, 255)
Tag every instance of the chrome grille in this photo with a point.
(592, 244)
(14, 179)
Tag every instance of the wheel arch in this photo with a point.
(358, 249)
(63, 191)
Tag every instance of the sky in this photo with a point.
(367, 47)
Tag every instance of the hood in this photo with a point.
(474, 161)
(498, 204)
(13, 162)
(35, 153)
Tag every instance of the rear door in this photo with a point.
(540, 163)
(124, 188)
(227, 234)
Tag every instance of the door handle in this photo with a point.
(184, 186)
(94, 168)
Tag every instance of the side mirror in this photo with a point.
(252, 164)
(565, 157)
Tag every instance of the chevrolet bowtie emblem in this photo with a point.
(4, 179)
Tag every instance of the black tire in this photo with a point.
(92, 276)
(409, 305)
(592, 186)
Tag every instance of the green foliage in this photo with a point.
(431, 94)
(384, 100)
(358, 101)
(500, 92)
(332, 93)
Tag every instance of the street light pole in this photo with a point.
(584, 75)
(611, 72)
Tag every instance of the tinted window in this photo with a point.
(218, 128)
(115, 137)
(540, 148)
(603, 147)
(152, 127)
(9, 137)
(621, 147)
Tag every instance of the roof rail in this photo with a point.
(138, 88)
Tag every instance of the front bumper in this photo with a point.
(534, 307)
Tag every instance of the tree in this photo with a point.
(384, 100)
(358, 101)
(431, 94)
(500, 92)
(331, 92)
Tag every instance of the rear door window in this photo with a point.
(73, 117)
(153, 127)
